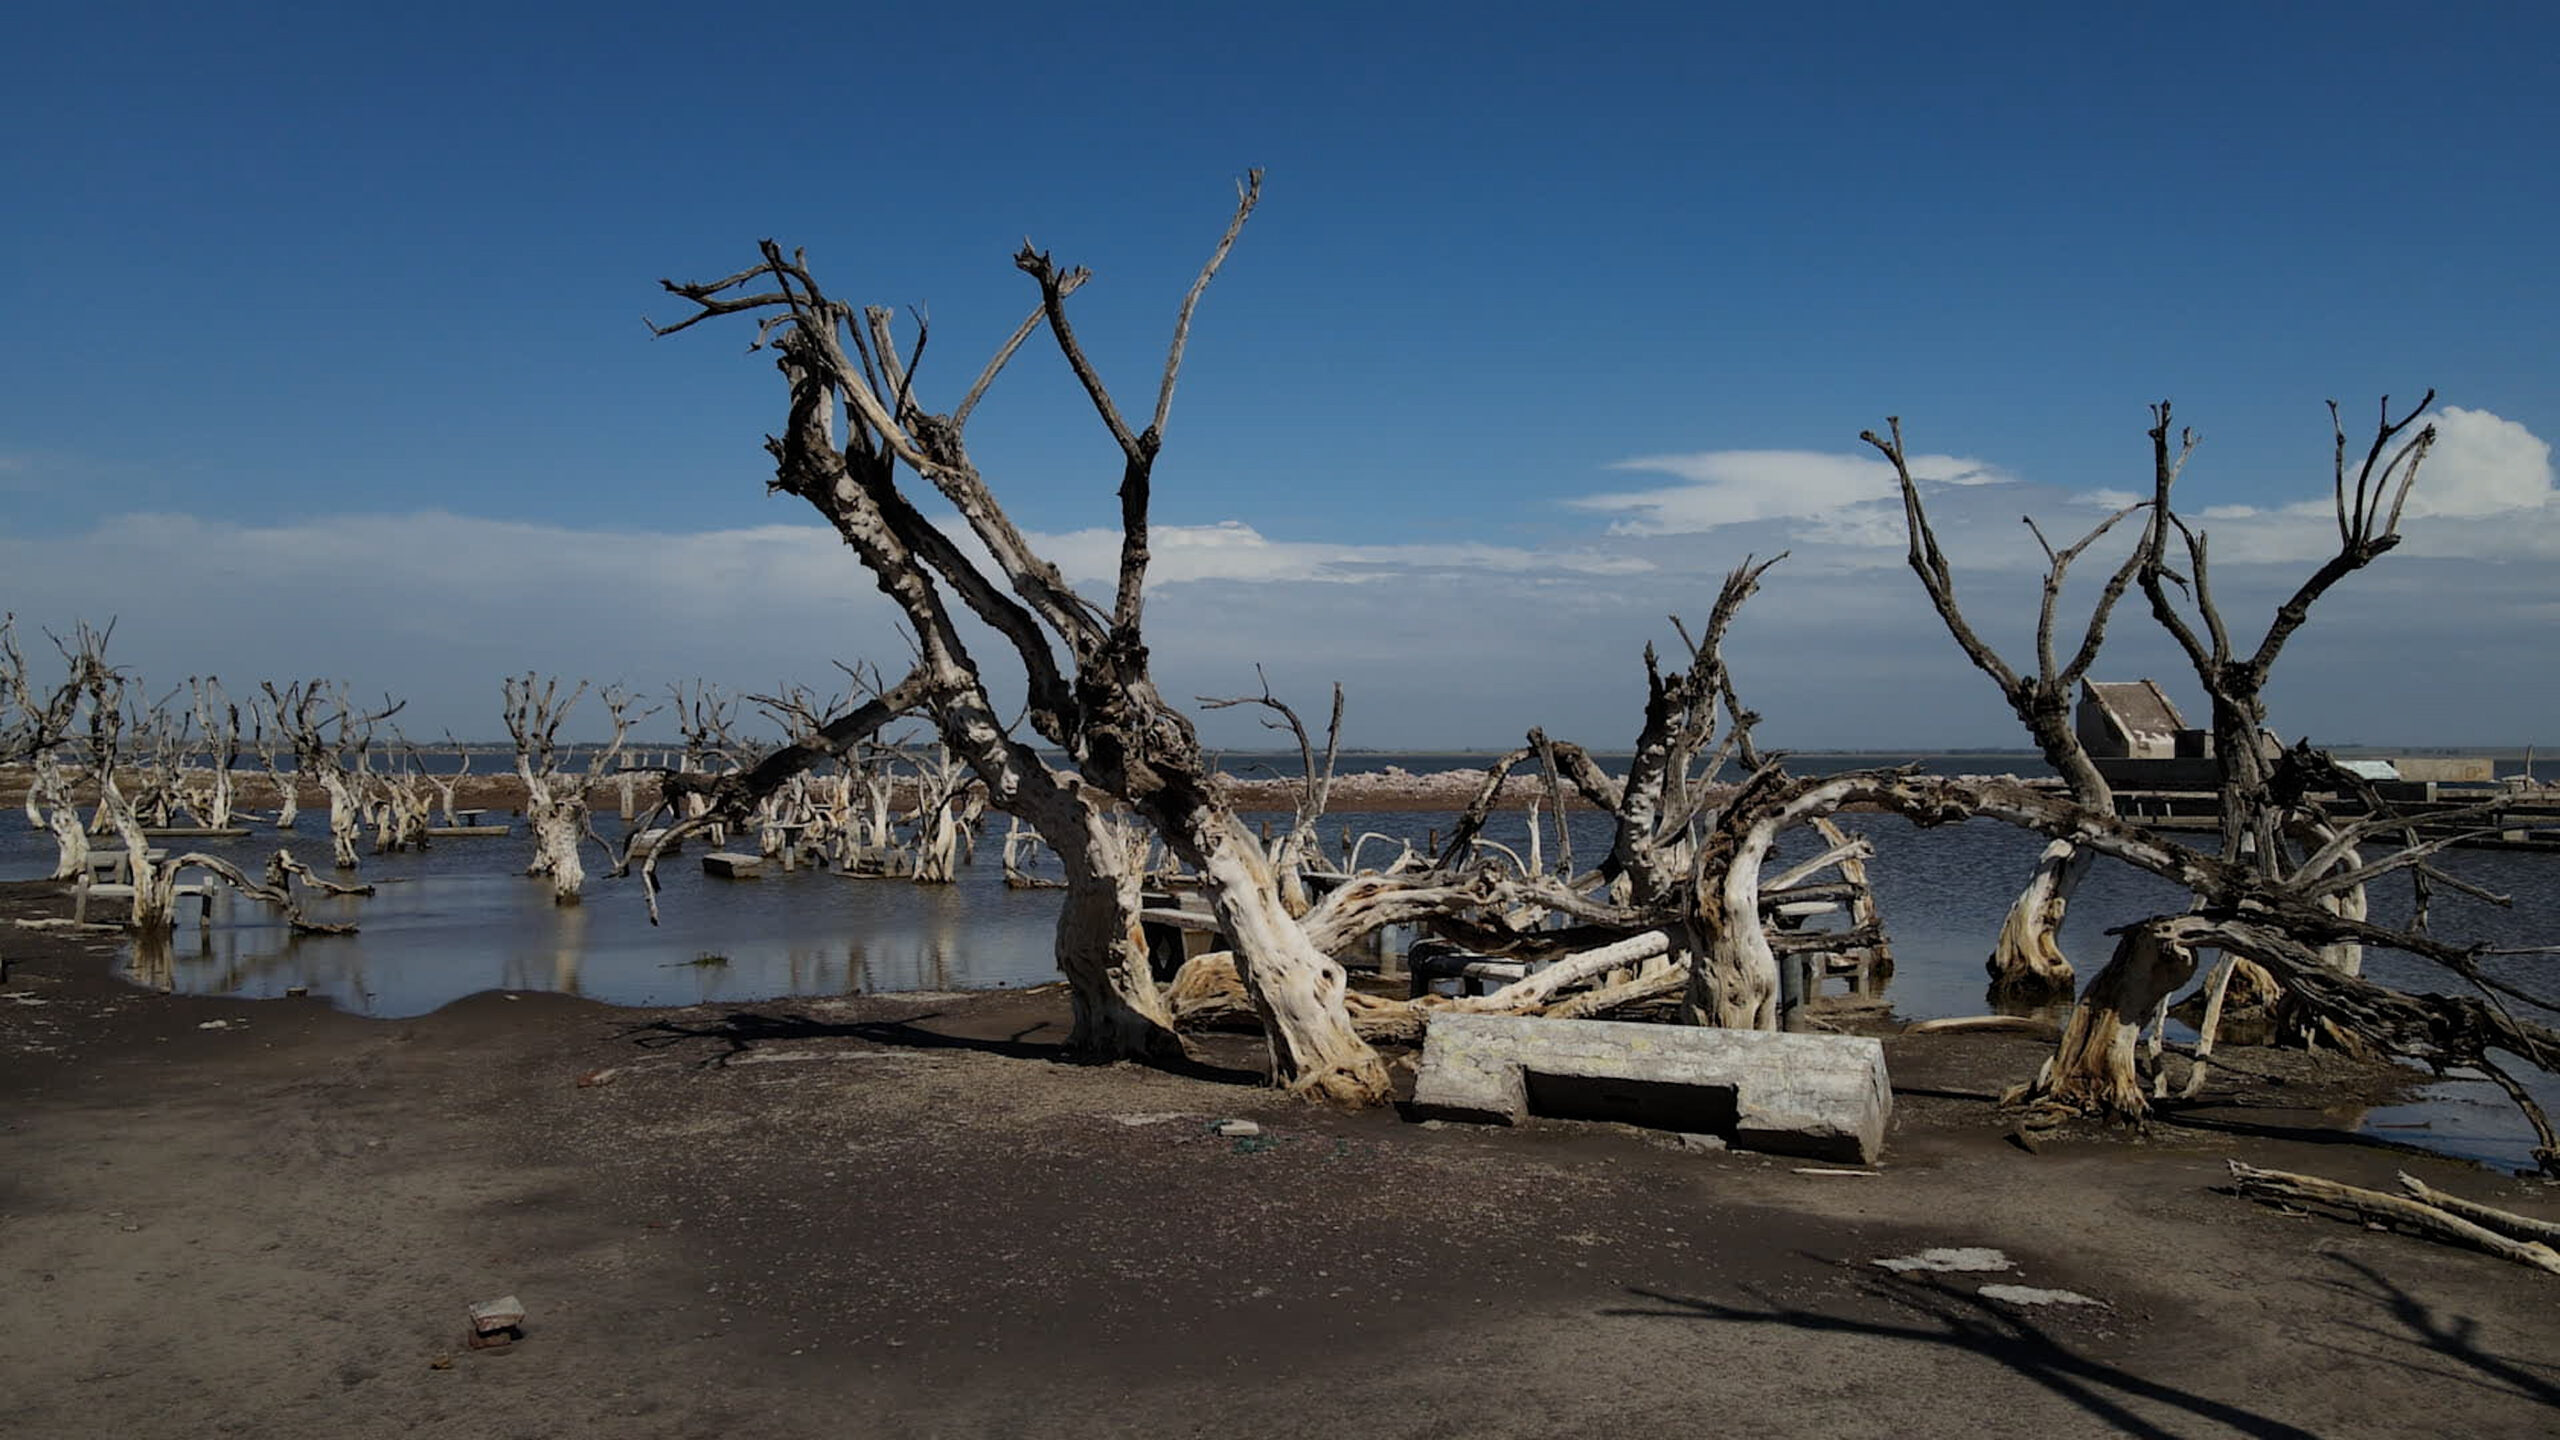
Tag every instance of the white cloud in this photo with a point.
(2482, 465)
(1730, 487)
(2108, 499)
(1233, 550)
(1441, 643)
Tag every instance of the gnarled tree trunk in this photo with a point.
(1297, 990)
(50, 791)
(2027, 960)
(2095, 1071)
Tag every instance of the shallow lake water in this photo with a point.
(460, 918)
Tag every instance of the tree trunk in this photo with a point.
(346, 819)
(1119, 1014)
(937, 847)
(288, 796)
(2027, 963)
(2094, 1071)
(61, 815)
(155, 899)
(1297, 989)
(554, 812)
(1733, 976)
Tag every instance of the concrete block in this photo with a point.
(730, 865)
(1825, 1097)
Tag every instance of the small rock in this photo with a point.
(605, 1076)
(491, 1316)
(296, 992)
(1235, 1129)
(1708, 1143)
(215, 1025)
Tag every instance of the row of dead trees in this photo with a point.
(104, 760)
(1679, 904)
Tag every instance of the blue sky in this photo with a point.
(281, 281)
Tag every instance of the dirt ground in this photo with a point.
(901, 1215)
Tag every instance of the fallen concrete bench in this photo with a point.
(1821, 1096)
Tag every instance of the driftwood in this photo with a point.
(1986, 1025)
(283, 869)
(2505, 1222)
(2430, 1220)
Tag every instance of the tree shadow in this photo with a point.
(740, 1031)
(1954, 1319)
(2455, 1337)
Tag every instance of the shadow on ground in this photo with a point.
(1951, 1319)
(741, 1031)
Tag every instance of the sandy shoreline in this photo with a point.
(901, 1215)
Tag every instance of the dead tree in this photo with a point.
(446, 785)
(42, 727)
(332, 743)
(158, 741)
(268, 735)
(402, 803)
(937, 787)
(2281, 922)
(555, 806)
(1085, 667)
(2027, 961)
(218, 736)
(704, 719)
(1655, 922)
(1672, 772)
(2234, 678)
(1302, 847)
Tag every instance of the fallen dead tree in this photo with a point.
(2429, 1213)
